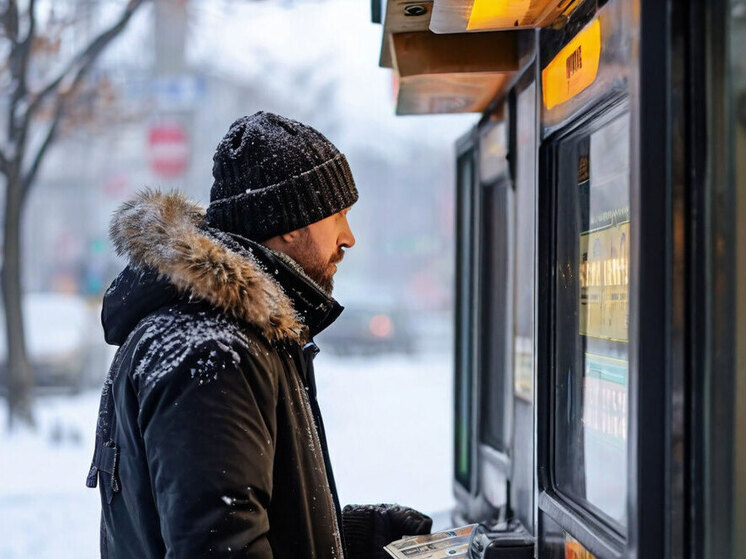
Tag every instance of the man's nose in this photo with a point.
(346, 239)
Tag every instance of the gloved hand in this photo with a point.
(367, 528)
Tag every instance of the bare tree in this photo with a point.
(19, 163)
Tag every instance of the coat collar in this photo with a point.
(166, 233)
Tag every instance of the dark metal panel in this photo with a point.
(592, 533)
(722, 286)
(677, 395)
(697, 331)
(649, 283)
(492, 245)
(375, 11)
(545, 327)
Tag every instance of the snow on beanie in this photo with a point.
(274, 175)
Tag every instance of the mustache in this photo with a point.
(337, 258)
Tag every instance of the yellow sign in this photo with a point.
(574, 550)
(574, 68)
(604, 283)
(494, 14)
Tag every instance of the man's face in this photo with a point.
(318, 247)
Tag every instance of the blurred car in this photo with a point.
(58, 335)
(372, 323)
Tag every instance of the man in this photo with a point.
(210, 441)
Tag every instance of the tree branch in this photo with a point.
(15, 59)
(10, 20)
(87, 55)
(30, 175)
(20, 123)
(28, 39)
(4, 163)
(84, 62)
(62, 98)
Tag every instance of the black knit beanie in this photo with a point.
(274, 175)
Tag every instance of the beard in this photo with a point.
(316, 266)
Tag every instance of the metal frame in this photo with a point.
(599, 536)
(696, 298)
(720, 536)
(499, 458)
(650, 203)
(489, 457)
(528, 77)
(685, 260)
(473, 500)
(490, 460)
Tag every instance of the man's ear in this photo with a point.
(280, 242)
(290, 237)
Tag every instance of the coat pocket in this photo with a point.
(105, 466)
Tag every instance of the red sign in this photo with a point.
(168, 150)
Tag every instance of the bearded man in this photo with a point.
(210, 441)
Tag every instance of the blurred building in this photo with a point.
(164, 113)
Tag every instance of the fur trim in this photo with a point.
(161, 230)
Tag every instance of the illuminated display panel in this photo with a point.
(592, 316)
(488, 14)
(459, 16)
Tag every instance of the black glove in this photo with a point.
(367, 528)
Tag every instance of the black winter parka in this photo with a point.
(209, 440)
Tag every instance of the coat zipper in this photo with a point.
(320, 457)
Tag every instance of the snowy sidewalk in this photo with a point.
(45, 508)
(388, 421)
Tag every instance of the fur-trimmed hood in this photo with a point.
(171, 250)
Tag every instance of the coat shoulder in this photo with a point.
(198, 338)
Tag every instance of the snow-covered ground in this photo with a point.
(388, 420)
(389, 425)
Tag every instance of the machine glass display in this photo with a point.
(495, 315)
(464, 359)
(592, 318)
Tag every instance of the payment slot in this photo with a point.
(509, 540)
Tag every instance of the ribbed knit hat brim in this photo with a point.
(288, 205)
